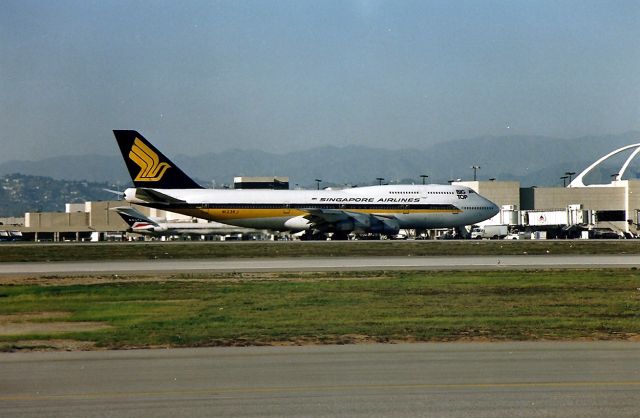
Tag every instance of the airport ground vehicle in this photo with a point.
(10, 236)
(489, 231)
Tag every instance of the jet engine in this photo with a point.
(299, 223)
(146, 227)
(385, 226)
(369, 224)
(352, 222)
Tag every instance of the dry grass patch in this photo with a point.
(34, 323)
(47, 345)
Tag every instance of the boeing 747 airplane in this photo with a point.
(384, 209)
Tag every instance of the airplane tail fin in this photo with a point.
(147, 166)
(134, 218)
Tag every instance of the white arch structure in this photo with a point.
(578, 182)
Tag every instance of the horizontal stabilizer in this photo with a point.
(156, 197)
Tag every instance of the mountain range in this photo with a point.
(20, 193)
(533, 160)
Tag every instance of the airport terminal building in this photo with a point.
(614, 205)
(89, 221)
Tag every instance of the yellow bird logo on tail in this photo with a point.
(151, 169)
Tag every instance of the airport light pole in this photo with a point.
(570, 174)
(475, 171)
(379, 180)
(318, 183)
(424, 178)
(564, 180)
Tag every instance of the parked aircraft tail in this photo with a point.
(134, 218)
(148, 167)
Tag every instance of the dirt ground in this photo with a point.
(46, 323)
(69, 280)
(65, 280)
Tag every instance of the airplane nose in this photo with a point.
(494, 209)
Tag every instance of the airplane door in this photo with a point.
(287, 209)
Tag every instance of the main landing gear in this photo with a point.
(340, 236)
(313, 236)
(322, 236)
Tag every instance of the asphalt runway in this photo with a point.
(323, 264)
(539, 379)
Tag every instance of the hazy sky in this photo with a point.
(198, 76)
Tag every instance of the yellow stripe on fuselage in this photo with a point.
(227, 214)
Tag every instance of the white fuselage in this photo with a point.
(411, 206)
(187, 228)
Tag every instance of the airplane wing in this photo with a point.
(319, 216)
(329, 218)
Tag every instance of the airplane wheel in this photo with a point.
(339, 237)
(319, 236)
(306, 237)
(315, 236)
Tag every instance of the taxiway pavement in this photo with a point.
(526, 379)
(324, 264)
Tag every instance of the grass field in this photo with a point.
(303, 308)
(187, 250)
